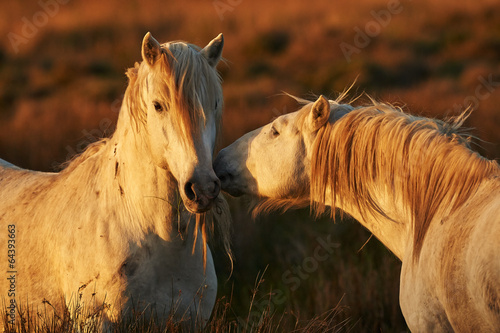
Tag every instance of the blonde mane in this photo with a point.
(189, 81)
(425, 162)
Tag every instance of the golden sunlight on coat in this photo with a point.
(412, 181)
(117, 229)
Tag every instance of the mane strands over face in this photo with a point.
(424, 163)
(187, 80)
(187, 83)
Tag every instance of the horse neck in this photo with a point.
(399, 209)
(149, 191)
(392, 228)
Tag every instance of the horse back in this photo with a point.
(17, 184)
(4, 164)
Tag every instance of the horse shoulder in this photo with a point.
(454, 284)
(482, 259)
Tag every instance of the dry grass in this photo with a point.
(92, 319)
(62, 90)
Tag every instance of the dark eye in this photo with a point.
(158, 107)
(216, 104)
(274, 132)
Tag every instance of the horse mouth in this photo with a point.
(199, 197)
(231, 184)
(198, 206)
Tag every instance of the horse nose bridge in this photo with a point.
(223, 160)
(222, 168)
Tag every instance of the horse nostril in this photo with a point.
(222, 178)
(225, 178)
(189, 191)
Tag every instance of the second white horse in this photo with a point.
(411, 181)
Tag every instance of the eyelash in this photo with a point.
(158, 107)
(274, 132)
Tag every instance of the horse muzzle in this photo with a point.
(199, 196)
(227, 171)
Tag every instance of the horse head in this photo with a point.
(181, 94)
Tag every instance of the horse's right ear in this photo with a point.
(320, 113)
(213, 51)
(151, 49)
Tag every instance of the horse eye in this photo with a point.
(274, 132)
(158, 107)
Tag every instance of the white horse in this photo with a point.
(113, 228)
(412, 181)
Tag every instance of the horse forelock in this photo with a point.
(424, 162)
(189, 85)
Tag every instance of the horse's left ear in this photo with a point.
(151, 49)
(213, 51)
(320, 113)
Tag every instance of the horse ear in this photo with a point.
(213, 51)
(151, 49)
(320, 113)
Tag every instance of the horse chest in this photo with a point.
(421, 308)
(163, 273)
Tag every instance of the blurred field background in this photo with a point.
(62, 82)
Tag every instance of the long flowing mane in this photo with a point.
(424, 162)
(189, 82)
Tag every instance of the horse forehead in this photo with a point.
(289, 118)
(290, 122)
